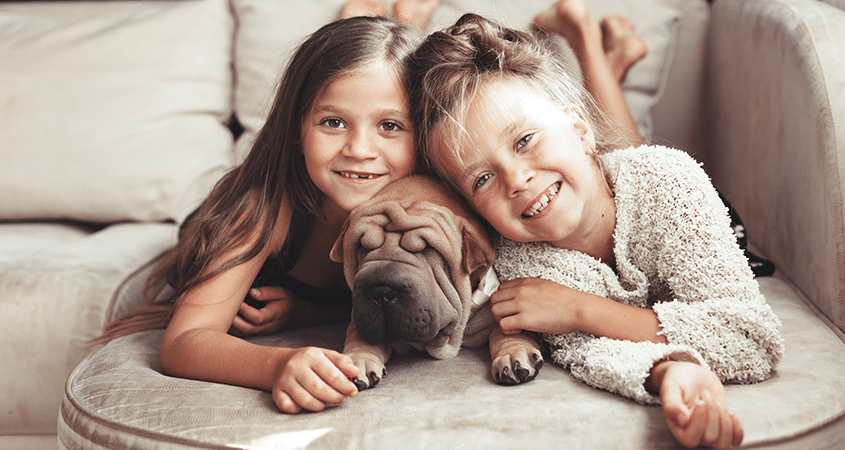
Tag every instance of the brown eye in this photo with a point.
(333, 122)
(389, 127)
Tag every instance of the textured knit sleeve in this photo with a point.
(713, 302)
(621, 367)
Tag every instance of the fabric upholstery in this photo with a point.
(112, 110)
(778, 147)
(115, 111)
(428, 403)
(269, 31)
(57, 286)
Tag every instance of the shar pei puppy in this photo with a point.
(414, 257)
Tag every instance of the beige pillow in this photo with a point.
(269, 31)
(112, 111)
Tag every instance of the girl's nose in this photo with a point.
(360, 146)
(518, 178)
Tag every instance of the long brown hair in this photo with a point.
(246, 202)
(449, 68)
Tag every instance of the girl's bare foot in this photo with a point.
(570, 19)
(415, 13)
(355, 8)
(622, 47)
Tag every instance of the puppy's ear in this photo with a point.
(478, 254)
(336, 254)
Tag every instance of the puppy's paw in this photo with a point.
(370, 372)
(517, 367)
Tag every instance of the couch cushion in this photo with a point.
(269, 32)
(112, 110)
(120, 398)
(60, 283)
(778, 141)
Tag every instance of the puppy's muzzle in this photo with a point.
(403, 301)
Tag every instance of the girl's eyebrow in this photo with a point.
(332, 109)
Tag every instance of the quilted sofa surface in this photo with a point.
(116, 122)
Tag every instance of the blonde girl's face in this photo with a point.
(358, 137)
(526, 165)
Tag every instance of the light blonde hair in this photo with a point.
(449, 70)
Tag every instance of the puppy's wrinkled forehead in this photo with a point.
(421, 225)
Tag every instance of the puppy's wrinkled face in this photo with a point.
(405, 296)
(409, 258)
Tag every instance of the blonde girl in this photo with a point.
(621, 257)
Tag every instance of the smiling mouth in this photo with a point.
(542, 202)
(360, 175)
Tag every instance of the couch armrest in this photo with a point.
(777, 142)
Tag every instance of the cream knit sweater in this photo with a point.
(675, 253)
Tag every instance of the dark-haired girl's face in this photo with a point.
(358, 137)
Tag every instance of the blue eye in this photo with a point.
(522, 142)
(481, 181)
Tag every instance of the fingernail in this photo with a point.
(254, 292)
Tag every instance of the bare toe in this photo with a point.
(415, 13)
(570, 19)
(355, 8)
(622, 47)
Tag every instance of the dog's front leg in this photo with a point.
(369, 358)
(516, 358)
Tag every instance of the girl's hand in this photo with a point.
(534, 304)
(311, 378)
(694, 405)
(271, 318)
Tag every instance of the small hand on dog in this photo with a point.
(312, 378)
(534, 304)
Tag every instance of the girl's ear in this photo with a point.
(583, 129)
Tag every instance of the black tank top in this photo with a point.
(275, 270)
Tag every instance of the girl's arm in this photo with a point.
(196, 345)
(539, 305)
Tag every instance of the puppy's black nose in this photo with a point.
(383, 294)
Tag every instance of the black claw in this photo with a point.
(374, 379)
(520, 372)
(506, 378)
(359, 384)
(538, 363)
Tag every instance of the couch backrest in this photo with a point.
(778, 135)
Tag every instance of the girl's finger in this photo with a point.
(510, 325)
(738, 431)
(713, 430)
(503, 309)
(726, 435)
(315, 392)
(344, 364)
(284, 402)
(335, 379)
(691, 435)
(250, 314)
(242, 326)
(268, 293)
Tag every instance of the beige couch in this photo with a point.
(115, 117)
